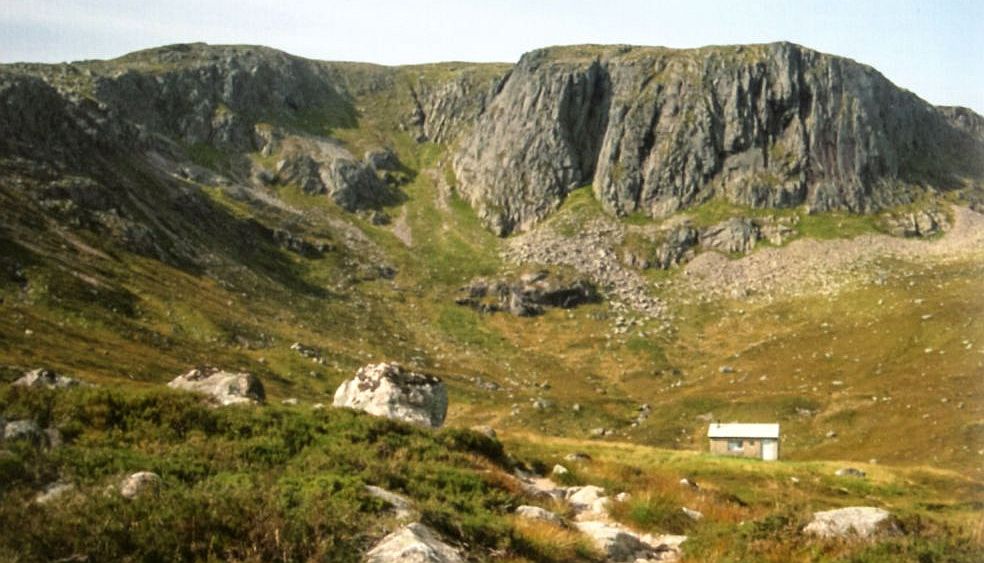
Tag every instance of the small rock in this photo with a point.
(139, 484)
(289, 402)
(831, 434)
(43, 377)
(850, 472)
(401, 505)
(53, 491)
(53, 437)
(688, 483)
(622, 497)
(537, 513)
(577, 457)
(486, 431)
(692, 514)
(560, 470)
(26, 430)
(726, 369)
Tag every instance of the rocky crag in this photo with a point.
(657, 130)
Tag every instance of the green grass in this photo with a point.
(238, 483)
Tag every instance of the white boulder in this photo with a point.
(389, 390)
(853, 521)
(414, 543)
(226, 387)
(583, 498)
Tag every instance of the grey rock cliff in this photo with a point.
(656, 130)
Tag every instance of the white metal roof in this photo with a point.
(742, 430)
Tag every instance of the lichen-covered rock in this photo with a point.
(139, 484)
(656, 130)
(853, 521)
(389, 390)
(414, 543)
(228, 388)
(43, 377)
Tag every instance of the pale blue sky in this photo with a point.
(934, 48)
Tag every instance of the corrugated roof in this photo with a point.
(742, 430)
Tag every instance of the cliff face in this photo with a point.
(657, 130)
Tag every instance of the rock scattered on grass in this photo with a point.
(853, 521)
(414, 543)
(226, 387)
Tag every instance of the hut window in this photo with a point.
(734, 445)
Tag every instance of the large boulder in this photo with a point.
(853, 521)
(414, 543)
(226, 387)
(387, 389)
(43, 377)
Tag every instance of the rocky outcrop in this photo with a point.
(414, 543)
(228, 388)
(527, 296)
(919, 223)
(736, 235)
(324, 166)
(389, 390)
(449, 97)
(854, 521)
(656, 130)
(43, 377)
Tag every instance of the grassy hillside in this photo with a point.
(274, 483)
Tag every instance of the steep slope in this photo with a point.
(656, 130)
